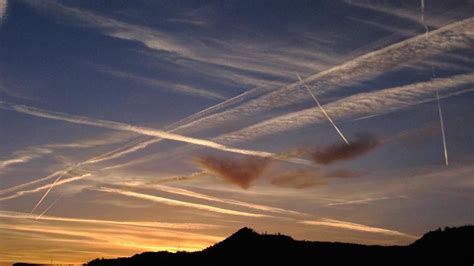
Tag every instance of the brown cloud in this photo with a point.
(238, 171)
(357, 147)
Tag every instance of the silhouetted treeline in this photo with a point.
(452, 246)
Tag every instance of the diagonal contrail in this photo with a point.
(144, 143)
(146, 131)
(46, 193)
(49, 207)
(442, 130)
(441, 121)
(322, 110)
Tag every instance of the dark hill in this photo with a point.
(452, 246)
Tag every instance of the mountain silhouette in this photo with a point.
(451, 246)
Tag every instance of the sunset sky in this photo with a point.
(132, 126)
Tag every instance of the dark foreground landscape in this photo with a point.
(451, 246)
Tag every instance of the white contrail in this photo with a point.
(441, 121)
(45, 187)
(355, 227)
(46, 193)
(453, 36)
(17, 187)
(141, 130)
(423, 13)
(442, 129)
(189, 193)
(26, 216)
(142, 144)
(49, 207)
(322, 110)
(361, 104)
(180, 203)
(178, 125)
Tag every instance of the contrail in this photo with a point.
(179, 203)
(46, 193)
(143, 144)
(189, 193)
(453, 36)
(322, 109)
(49, 207)
(446, 38)
(442, 130)
(174, 226)
(17, 187)
(361, 104)
(178, 125)
(441, 121)
(423, 16)
(75, 119)
(45, 187)
(355, 227)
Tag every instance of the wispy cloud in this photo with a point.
(45, 187)
(185, 89)
(189, 193)
(241, 57)
(136, 145)
(24, 156)
(32, 153)
(174, 202)
(357, 105)
(356, 227)
(188, 226)
(137, 129)
(453, 36)
(95, 237)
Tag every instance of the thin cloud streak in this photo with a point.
(453, 36)
(322, 110)
(179, 88)
(173, 202)
(223, 54)
(20, 215)
(443, 135)
(24, 156)
(356, 227)
(124, 150)
(361, 104)
(46, 193)
(139, 130)
(189, 193)
(45, 187)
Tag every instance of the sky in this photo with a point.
(132, 126)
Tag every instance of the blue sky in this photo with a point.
(185, 120)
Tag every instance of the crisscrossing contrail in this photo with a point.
(322, 110)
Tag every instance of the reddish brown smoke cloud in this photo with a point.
(238, 171)
(357, 147)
